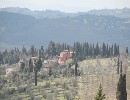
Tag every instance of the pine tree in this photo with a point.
(100, 95)
(121, 93)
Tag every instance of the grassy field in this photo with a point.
(107, 76)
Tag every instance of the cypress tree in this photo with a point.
(127, 51)
(39, 64)
(107, 50)
(103, 50)
(32, 51)
(121, 67)
(35, 76)
(50, 71)
(97, 49)
(118, 50)
(112, 52)
(76, 66)
(24, 51)
(30, 65)
(93, 51)
(118, 66)
(42, 48)
(121, 93)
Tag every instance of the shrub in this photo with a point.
(21, 89)
(2, 94)
(65, 86)
(47, 85)
(57, 83)
(10, 91)
(32, 97)
(74, 91)
(51, 78)
(42, 74)
(3, 79)
(39, 88)
(28, 90)
(37, 98)
(50, 96)
(16, 98)
(74, 82)
(44, 94)
(1, 86)
(68, 96)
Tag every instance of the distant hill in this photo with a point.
(39, 14)
(20, 29)
(122, 13)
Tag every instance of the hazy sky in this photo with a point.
(66, 5)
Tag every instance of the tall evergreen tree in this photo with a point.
(121, 67)
(112, 52)
(24, 50)
(116, 50)
(76, 69)
(30, 65)
(118, 63)
(107, 51)
(39, 64)
(35, 76)
(42, 48)
(52, 49)
(121, 93)
(1, 58)
(127, 51)
(103, 50)
(97, 49)
(32, 51)
(50, 71)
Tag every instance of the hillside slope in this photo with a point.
(20, 29)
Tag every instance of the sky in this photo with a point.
(66, 5)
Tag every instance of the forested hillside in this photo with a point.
(20, 29)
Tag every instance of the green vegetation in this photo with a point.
(100, 95)
(38, 75)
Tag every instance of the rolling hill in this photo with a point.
(20, 29)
